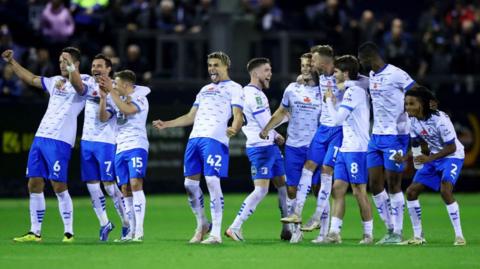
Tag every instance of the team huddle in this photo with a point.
(328, 145)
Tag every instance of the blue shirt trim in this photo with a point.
(196, 104)
(409, 86)
(253, 86)
(449, 142)
(287, 106)
(85, 89)
(43, 84)
(258, 112)
(380, 70)
(112, 113)
(138, 107)
(239, 106)
(347, 107)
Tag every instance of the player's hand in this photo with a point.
(7, 56)
(421, 159)
(231, 132)
(279, 139)
(263, 134)
(105, 83)
(159, 124)
(67, 58)
(329, 94)
(398, 158)
(301, 80)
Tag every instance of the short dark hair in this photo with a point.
(307, 55)
(102, 56)
(425, 96)
(324, 50)
(222, 56)
(348, 63)
(127, 75)
(256, 62)
(369, 49)
(74, 52)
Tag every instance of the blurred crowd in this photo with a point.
(437, 38)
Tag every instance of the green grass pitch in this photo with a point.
(170, 223)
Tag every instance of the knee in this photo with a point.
(447, 195)
(126, 190)
(59, 187)
(190, 185)
(136, 184)
(36, 185)
(310, 165)
(291, 192)
(260, 192)
(412, 194)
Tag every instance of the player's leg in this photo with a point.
(57, 161)
(130, 210)
(451, 170)
(90, 174)
(137, 167)
(262, 160)
(413, 205)
(360, 194)
(192, 171)
(340, 187)
(122, 175)
(215, 166)
(393, 177)
(376, 178)
(278, 180)
(326, 180)
(316, 153)
(36, 172)
(358, 175)
(112, 190)
(248, 207)
(338, 210)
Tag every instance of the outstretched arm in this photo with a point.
(184, 120)
(25, 75)
(280, 116)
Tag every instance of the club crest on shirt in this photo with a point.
(60, 84)
(259, 100)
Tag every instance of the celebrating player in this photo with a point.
(131, 111)
(265, 157)
(207, 148)
(438, 170)
(351, 164)
(51, 148)
(388, 84)
(301, 105)
(325, 143)
(97, 153)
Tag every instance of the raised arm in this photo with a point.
(25, 75)
(337, 116)
(105, 114)
(73, 73)
(236, 123)
(184, 120)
